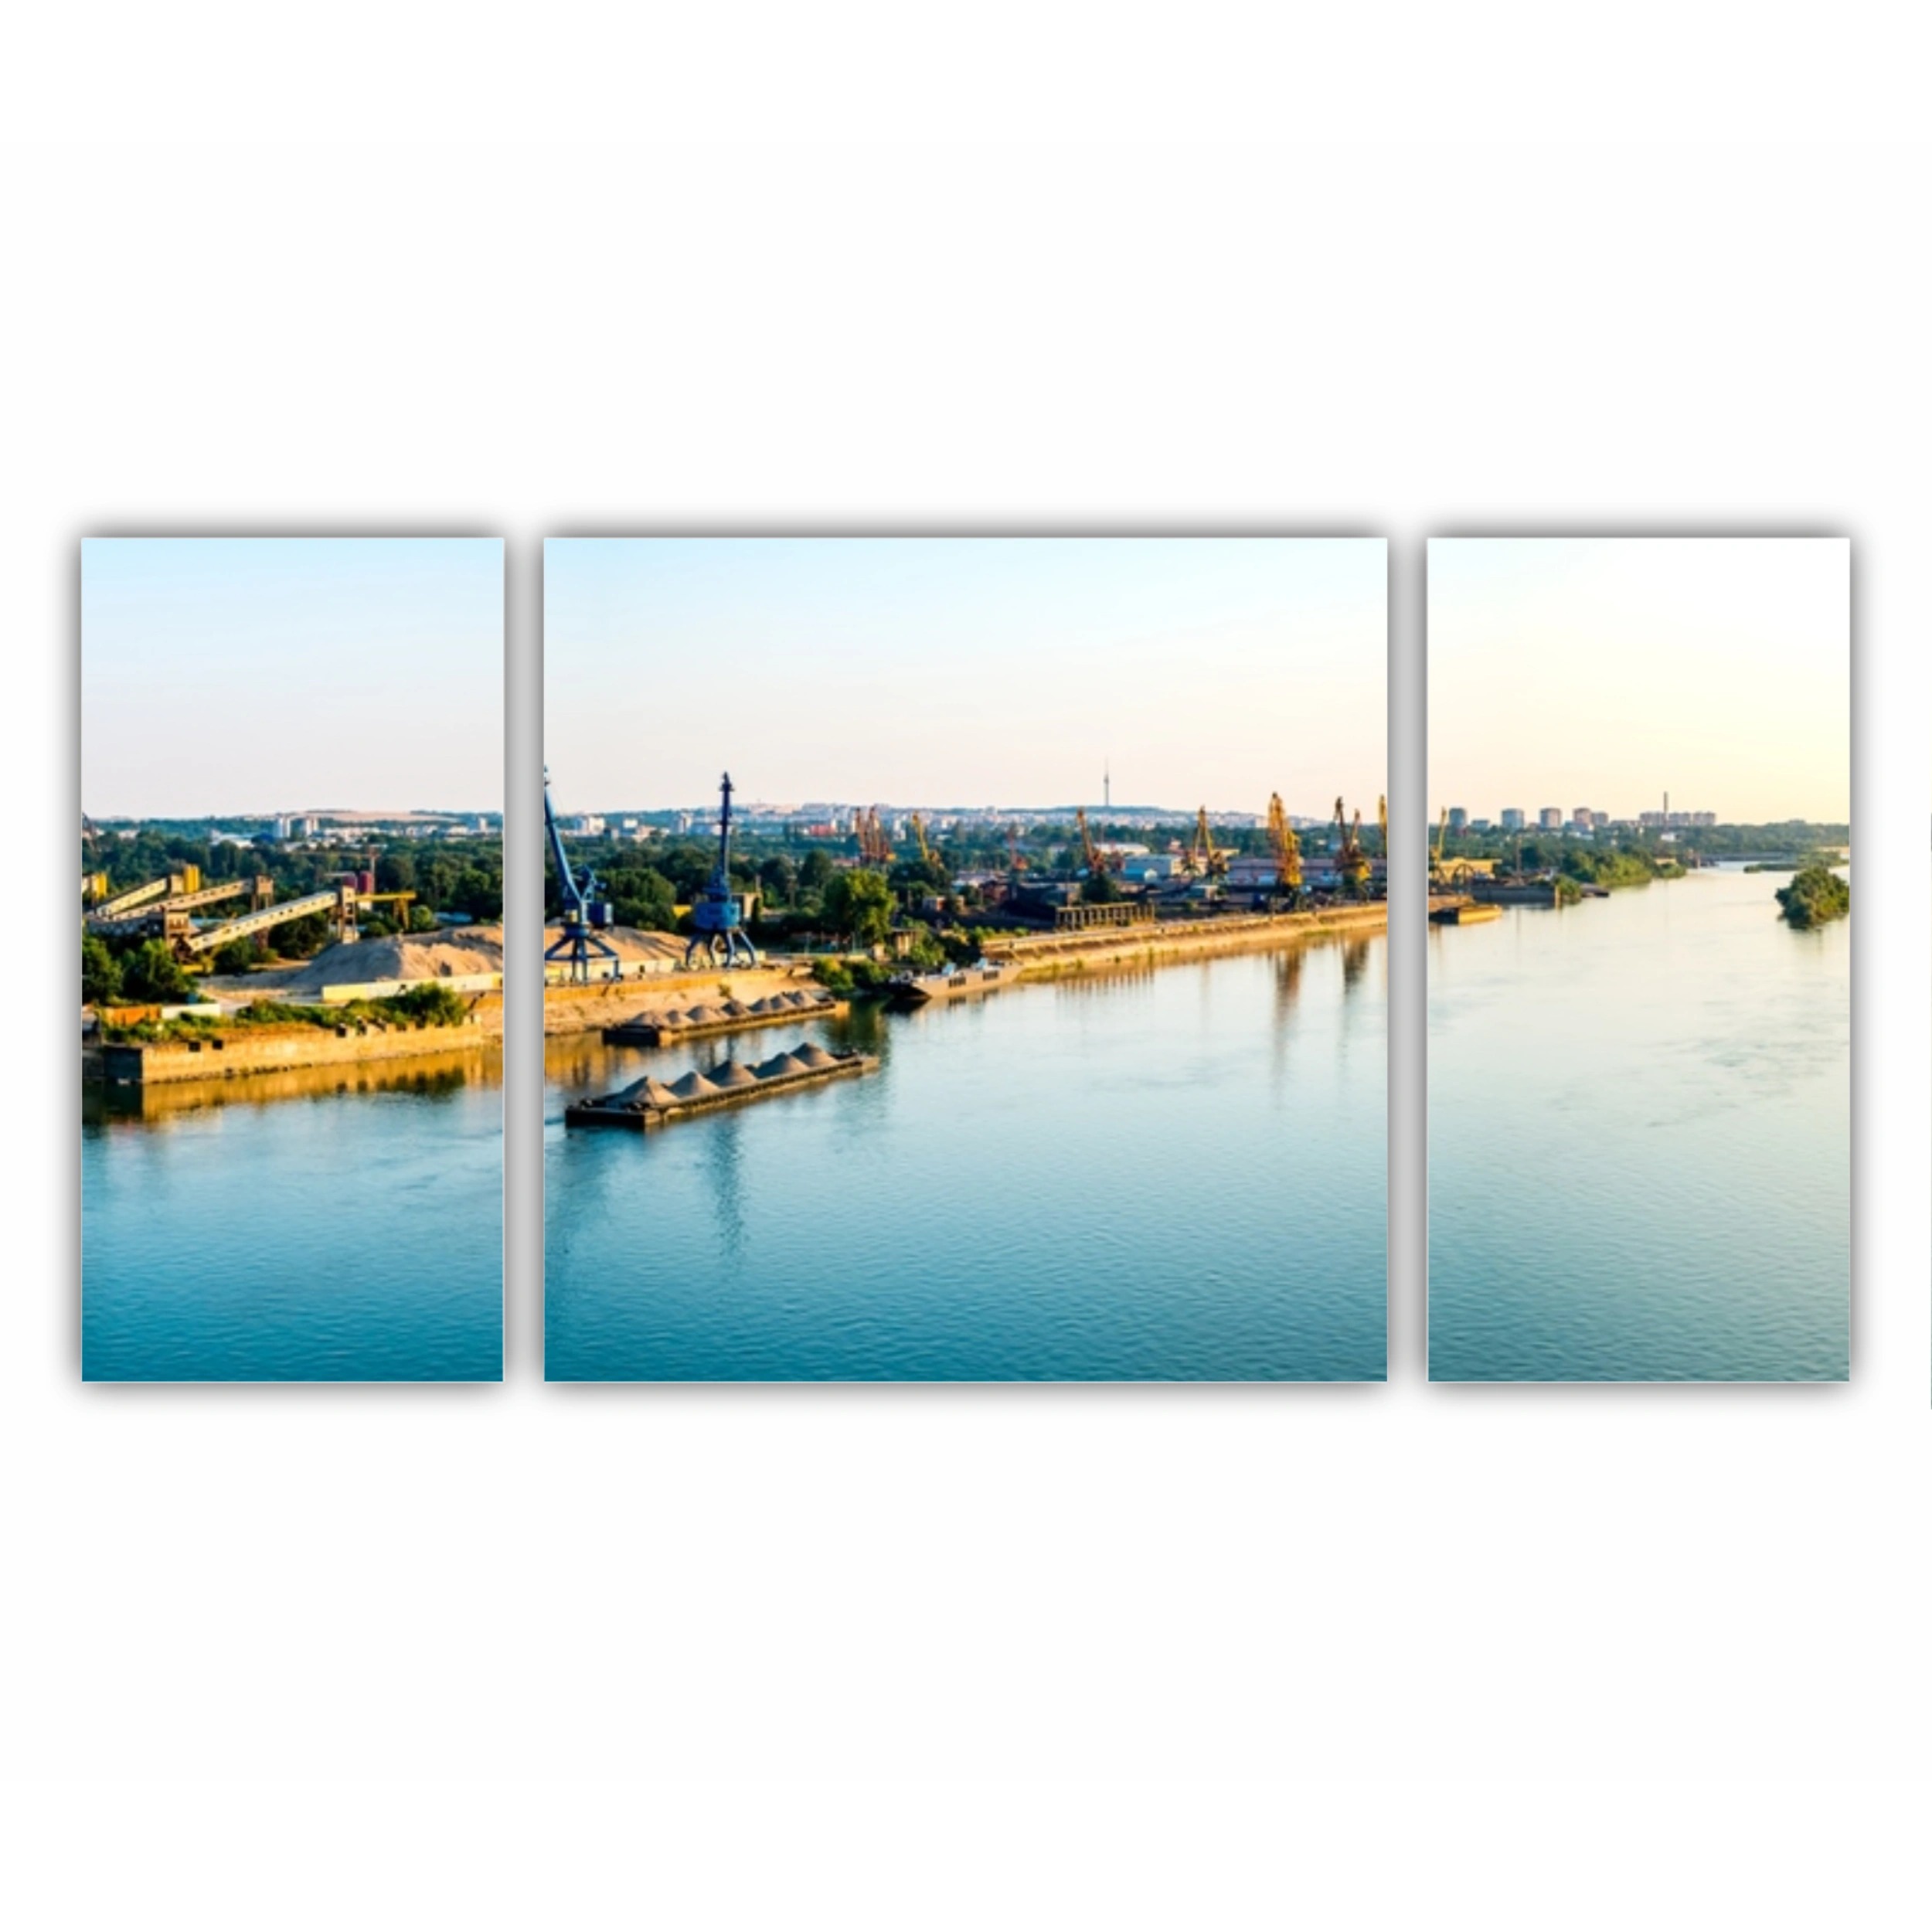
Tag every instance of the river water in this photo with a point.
(1640, 1140)
(302, 1226)
(1176, 1173)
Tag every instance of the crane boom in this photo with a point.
(586, 911)
(574, 896)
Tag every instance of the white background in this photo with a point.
(889, 1657)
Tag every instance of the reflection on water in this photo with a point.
(1177, 1172)
(323, 1223)
(428, 1076)
(1640, 1140)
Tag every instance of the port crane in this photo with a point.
(928, 851)
(719, 935)
(875, 848)
(1286, 847)
(1350, 861)
(1096, 861)
(1204, 858)
(586, 913)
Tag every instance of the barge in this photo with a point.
(728, 1016)
(651, 1103)
(961, 982)
(1467, 913)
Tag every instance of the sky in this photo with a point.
(247, 676)
(1606, 672)
(966, 671)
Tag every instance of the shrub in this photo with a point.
(1815, 896)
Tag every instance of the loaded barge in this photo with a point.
(729, 1016)
(960, 982)
(651, 1103)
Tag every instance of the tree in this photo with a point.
(859, 906)
(238, 956)
(818, 872)
(644, 900)
(778, 879)
(153, 973)
(1815, 895)
(100, 972)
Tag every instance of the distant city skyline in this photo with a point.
(1605, 671)
(1023, 673)
(248, 677)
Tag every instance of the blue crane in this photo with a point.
(586, 913)
(719, 934)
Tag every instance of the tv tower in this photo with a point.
(1107, 785)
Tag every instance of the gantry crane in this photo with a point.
(719, 933)
(1286, 847)
(586, 913)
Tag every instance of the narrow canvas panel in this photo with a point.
(966, 959)
(291, 880)
(1640, 959)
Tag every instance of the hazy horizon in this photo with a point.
(286, 668)
(1605, 671)
(981, 671)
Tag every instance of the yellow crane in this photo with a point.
(1204, 858)
(875, 848)
(1442, 831)
(1285, 846)
(926, 853)
(1096, 861)
(1382, 819)
(1350, 862)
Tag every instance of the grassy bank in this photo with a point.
(427, 1005)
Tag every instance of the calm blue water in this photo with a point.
(1178, 1174)
(279, 1229)
(1639, 1140)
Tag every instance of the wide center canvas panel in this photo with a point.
(1640, 990)
(965, 958)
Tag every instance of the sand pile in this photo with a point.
(455, 954)
(470, 949)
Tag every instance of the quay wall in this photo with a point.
(229, 1054)
(1046, 954)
